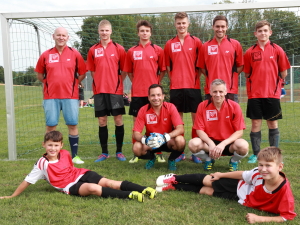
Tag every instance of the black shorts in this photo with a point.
(186, 100)
(108, 104)
(226, 188)
(226, 149)
(264, 108)
(231, 96)
(137, 103)
(81, 94)
(88, 177)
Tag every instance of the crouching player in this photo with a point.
(57, 168)
(163, 119)
(264, 187)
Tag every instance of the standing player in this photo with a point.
(163, 119)
(181, 54)
(61, 69)
(266, 65)
(105, 61)
(221, 58)
(145, 66)
(219, 124)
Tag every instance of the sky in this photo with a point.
(67, 5)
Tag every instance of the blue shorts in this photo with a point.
(69, 107)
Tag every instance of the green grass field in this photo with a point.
(41, 204)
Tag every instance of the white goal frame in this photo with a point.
(6, 17)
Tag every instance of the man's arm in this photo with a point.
(232, 175)
(178, 131)
(236, 135)
(92, 74)
(123, 74)
(239, 69)
(81, 77)
(283, 74)
(18, 191)
(40, 76)
(247, 75)
(253, 218)
(203, 71)
(161, 75)
(137, 136)
(130, 75)
(204, 137)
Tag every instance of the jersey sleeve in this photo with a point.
(35, 175)
(128, 66)
(161, 59)
(283, 62)
(247, 62)
(201, 57)
(140, 121)
(90, 60)
(239, 60)
(122, 55)
(81, 66)
(40, 65)
(251, 176)
(199, 123)
(238, 120)
(175, 117)
(287, 204)
(167, 54)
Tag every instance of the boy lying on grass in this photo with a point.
(57, 168)
(264, 187)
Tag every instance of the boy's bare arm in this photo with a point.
(18, 191)
(233, 175)
(253, 218)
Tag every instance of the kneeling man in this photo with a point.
(164, 129)
(219, 124)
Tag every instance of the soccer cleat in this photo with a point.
(150, 192)
(166, 179)
(233, 166)
(179, 158)
(252, 159)
(102, 157)
(135, 159)
(77, 160)
(172, 165)
(136, 195)
(160, 158)
(165, 188)
(208, 165)
(150, 163)
(195, 159)
(120, 156)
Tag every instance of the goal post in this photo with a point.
(24, 112)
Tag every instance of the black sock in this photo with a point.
(113, 193)
(74, 139)
(148, 155)
(274, 136)
(195, 179)
(255, 138)
(103, 137)
(174, 155)
(188, 187)
(119, 133)
(129, 186)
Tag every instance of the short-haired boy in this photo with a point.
(264, 187)
(57, 168)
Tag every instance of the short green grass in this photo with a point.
(41, 204)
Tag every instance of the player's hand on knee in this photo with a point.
(158, 140)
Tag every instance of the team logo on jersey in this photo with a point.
(211, 115)
(151, 118)
(99, 52)
(212, 49)
(176, 47)
(53, 58)
(138, 55)
(256, 56)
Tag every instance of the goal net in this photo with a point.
(29, 34)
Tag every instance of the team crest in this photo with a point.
(213, 50)
(256, 56)
(53, 58)
(176, 47)
(99, 52)
(151, 118)
(138, 55)
(211, 115)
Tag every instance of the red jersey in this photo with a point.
(145, 63)
(219, 125)
(60, 73)
(165, 122)
(252, 193)
(264, 67)
(221, 62)
(107, 63)
(182, 62)
(61, 174)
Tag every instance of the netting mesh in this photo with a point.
(30, 37)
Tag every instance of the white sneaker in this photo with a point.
(165, 188)
(77, 160)
(166, 179)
